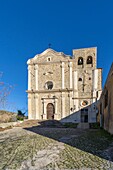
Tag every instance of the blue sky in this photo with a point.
(28, 26)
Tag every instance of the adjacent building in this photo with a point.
(105, 104)
(64, 87)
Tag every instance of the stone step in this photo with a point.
(83, 126)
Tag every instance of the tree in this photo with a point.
(20, 113)
(5, 90)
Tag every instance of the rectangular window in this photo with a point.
(48, 59)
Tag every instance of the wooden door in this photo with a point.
(50, 111)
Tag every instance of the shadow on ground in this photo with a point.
(95, 141)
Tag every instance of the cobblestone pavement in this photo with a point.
(55, 148)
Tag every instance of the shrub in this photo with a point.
(20, 118)
(94, 125)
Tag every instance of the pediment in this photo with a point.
(49, 53)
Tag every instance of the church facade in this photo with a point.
(64, 87)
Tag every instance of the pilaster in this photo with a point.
(62, 75)
(37, 106)
(75, 80)
(44, 115)
(36, 76)
(70, 73)
(29, 77)
(55, 106)
(29, 107)
(63, 105)
(71, 102)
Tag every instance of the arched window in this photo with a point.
(80, 79)
(89, 60)
(49, 85)
(80, 61)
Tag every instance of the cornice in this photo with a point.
(49, 91)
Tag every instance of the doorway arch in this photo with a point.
(50, 111)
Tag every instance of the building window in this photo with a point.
(89, 60)
(80, 79)
(84, 103)
(80, 61)
(48, 59)
(89, 78)
(49, 85)
(106, 98)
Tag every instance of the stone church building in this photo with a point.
(64, 87)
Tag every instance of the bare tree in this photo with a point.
(5, 90)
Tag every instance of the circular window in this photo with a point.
(49, 85)
(84, 103)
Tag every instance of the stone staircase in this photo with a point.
(41, 123)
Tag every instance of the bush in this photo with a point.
(20, 115)
(20, 118)
(94, 125)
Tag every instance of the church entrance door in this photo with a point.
(50, 111)
(84, 115)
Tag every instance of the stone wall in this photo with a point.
(105, 105)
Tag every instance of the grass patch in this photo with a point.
(70, 125)
(94, 125)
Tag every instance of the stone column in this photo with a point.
(37, 106)
(55, 104)
(63, 105)
(44, 110)
(71, 102)
(29, 107)
(62, 75)
(70, 74)
(75, 92)
(36, 76)
(29, 77)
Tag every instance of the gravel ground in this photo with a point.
(43, 148)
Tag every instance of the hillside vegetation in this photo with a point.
(6, 116)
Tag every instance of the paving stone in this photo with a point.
(54, 149)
